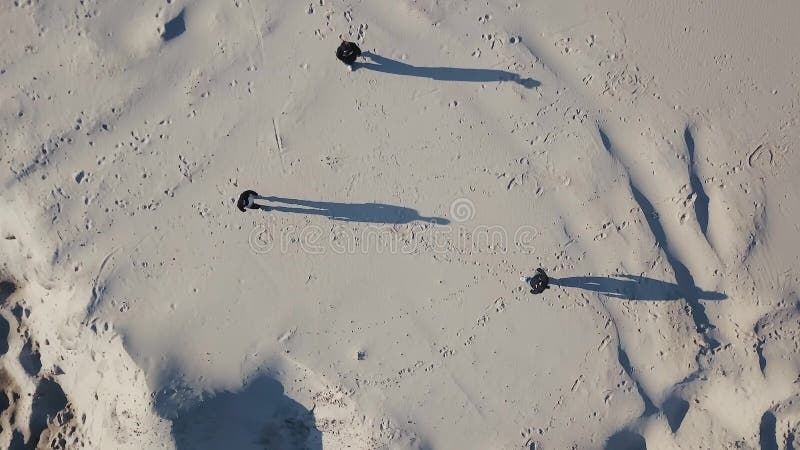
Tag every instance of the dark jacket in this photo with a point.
(243, 200)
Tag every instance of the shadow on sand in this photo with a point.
(635, 287)
(259, 417)
(386, 65)
(351, 212)
(626, 440)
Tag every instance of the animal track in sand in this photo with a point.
(564, 45)
(768, 157)
(499, 305)
(604, 343)
(495, 40)
(333, 162)
(528, 434)
(686, 199)
(287, 335)
(761, 158)
(603, 234)
(625, 83)
(446, 351)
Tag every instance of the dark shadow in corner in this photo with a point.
(48, 400)
(626, 440)
(352, 212)
(5, 328)
(17, 441)
(386, 65)
(767, 435)
(634, 287)
(6, 289)
(259, 417)
(174, 28)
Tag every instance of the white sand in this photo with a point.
(643, 153)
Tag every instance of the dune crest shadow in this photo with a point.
(258, 417)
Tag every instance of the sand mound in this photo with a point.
(641, 153)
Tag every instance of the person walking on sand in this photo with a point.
(348, 52)
(247, 200)
(538, 282)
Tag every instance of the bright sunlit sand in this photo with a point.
(369, 293)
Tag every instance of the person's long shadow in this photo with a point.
(351, 212)
(386, 65)
(634, 287)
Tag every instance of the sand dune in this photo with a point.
(641, 153)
